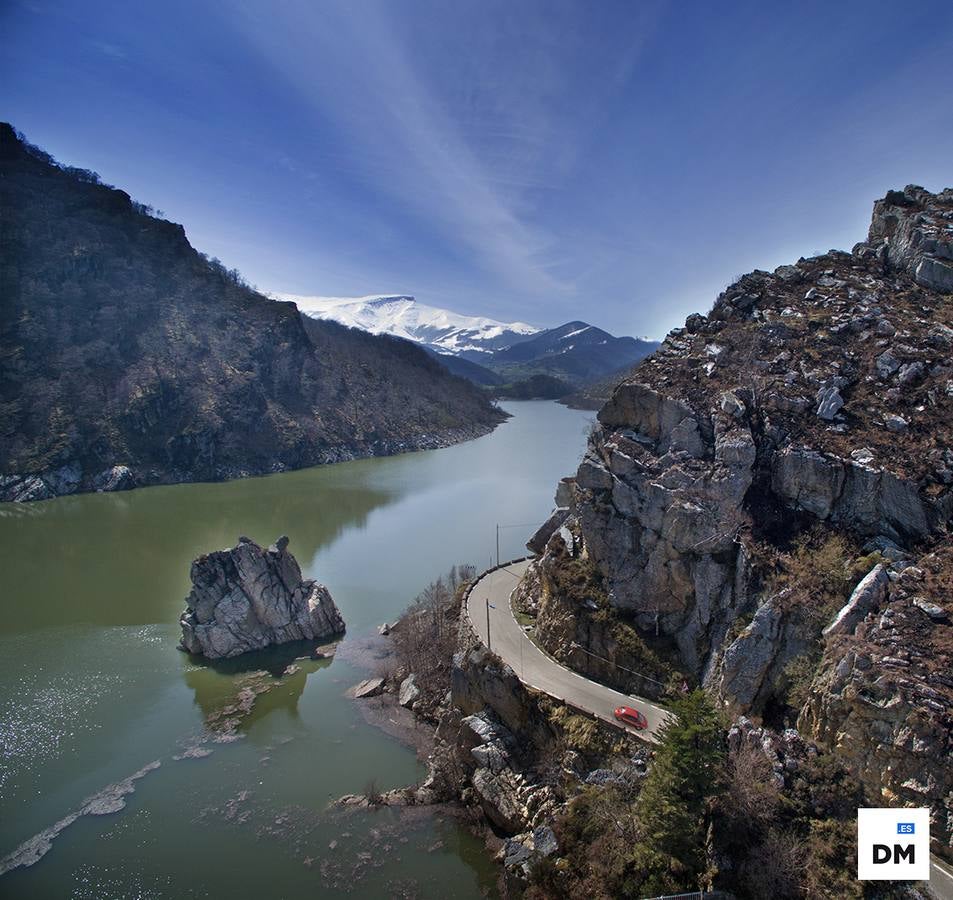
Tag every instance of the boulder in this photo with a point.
(247, 598)
(116, 478)
(564, 492)
(936, 612)
(525, 849)
(935, 274)
(537, 543)
(499, 796)
(829, 402)
(409, 691)
(325, 651)
(895, 423)
(369, 687)
(886, 364)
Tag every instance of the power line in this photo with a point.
(614, 663)
(499, 527)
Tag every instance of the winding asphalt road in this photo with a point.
(534, 668)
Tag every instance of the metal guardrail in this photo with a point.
(694, 895)
(470, 587)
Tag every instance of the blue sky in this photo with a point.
(544, 161)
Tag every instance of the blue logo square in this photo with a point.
(906, 828)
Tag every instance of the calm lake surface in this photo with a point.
(92, 689)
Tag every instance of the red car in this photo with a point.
(631, 716)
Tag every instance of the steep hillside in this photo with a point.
(466, 369)
(128, 358)
(765, 509)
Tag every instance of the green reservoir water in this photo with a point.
(92, 689)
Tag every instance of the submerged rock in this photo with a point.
(247, 598)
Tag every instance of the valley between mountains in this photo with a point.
(755, 545)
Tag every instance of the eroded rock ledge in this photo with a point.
(248, 598)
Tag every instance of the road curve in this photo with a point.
(534, 668)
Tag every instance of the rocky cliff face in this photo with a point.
(805, 423)
(883, 695)
(489, 735)
(248, 598)
(128, 358)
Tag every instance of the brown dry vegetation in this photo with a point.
(835, 333)
(426, 636)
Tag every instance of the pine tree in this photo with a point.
(670, 856)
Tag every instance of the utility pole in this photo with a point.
(488, 647)
(497, 543)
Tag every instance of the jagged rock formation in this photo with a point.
(248, 598)
(128, 358)
(490, 730)
(914, 235)
(814, 401)
(750, 662)
(883, 696)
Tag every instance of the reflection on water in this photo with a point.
(93, 689)
(286, 667)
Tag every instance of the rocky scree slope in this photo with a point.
(768, 500)
(128, 358)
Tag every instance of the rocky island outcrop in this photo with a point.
(248, 598)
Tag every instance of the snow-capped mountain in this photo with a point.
(402, 316)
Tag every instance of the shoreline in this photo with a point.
(372, 653)
(57, 483)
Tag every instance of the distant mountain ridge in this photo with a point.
(511, 359)
(401, 315)
(577, 351)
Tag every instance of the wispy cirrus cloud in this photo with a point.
(468, 155)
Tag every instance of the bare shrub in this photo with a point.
(372, 792)
(776, 867)
(425, 639)
(752, 794)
